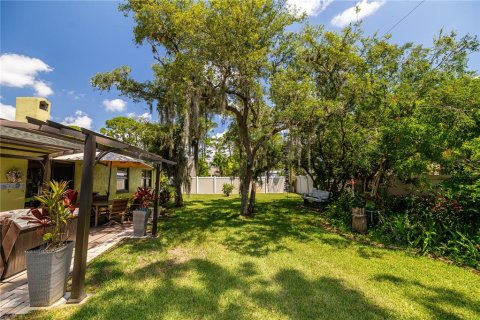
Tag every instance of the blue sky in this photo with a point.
(53, 48)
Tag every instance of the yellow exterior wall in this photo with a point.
(100, 180)
(13, 198)
(30, 106)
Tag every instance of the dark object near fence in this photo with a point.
(372, 218)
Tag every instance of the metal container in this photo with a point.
(140, 219)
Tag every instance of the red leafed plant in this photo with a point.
(70, 199)
(58, 204)
(145, 196)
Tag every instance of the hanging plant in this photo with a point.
(14, 175)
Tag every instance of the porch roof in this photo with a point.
(56, 139)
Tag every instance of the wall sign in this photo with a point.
(12, 186)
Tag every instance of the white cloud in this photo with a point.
(114, 105)
(219, 134)
(350, 15)
(20, 71)
(42, 88)
(80, 119)
(144, 116)
(75, 95)
(310, 7)
(7, 111)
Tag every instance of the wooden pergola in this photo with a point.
(55, 139)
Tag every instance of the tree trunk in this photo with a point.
(244, 191)
(178, 195)
(253, 193)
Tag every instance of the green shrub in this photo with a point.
(340, 210)
(441, 222)
(433, 223)
(227, 189)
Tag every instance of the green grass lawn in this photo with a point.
(210, 264)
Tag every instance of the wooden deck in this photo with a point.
(14, 290)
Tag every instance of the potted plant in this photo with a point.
(48, 265)
(144, 197)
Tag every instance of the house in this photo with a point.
(27, 160)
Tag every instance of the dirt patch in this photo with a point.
(179, 255)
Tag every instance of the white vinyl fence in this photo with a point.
(213, 185)
(303, 184)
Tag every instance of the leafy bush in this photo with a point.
(340, 210)
(144, 196)
(227, 189)
(440, 222)
(433, 223)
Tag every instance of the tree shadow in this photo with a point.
(159, 290)
(369, 253)
(164, 294)
(322, 298)
(259, 236)
(437, 297)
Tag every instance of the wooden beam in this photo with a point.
(83, 226)
(22, 149)
(47, 172)
(15, 156)
(158, 168)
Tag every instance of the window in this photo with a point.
(122, 180)
(147, 178)
(43, 105)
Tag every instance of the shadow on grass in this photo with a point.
(259, 236)
(157, 291)
(194, 288)
(437, 297)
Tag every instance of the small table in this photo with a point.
(96, 205)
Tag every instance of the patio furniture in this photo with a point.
(316, 197)
(118, 209)
(99, 206)
(18, 242)
(134, 205)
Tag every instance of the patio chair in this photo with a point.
(134, 205)
(118, 209)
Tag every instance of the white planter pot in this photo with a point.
(140, 219)
(47, 274)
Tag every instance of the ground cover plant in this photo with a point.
(209, 264)
(438, 222)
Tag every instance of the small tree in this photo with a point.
(227, 189)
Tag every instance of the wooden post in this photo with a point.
(83, 225)
(158, 168)
(47, 173)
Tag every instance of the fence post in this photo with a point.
(196, 185)
(214, 184)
